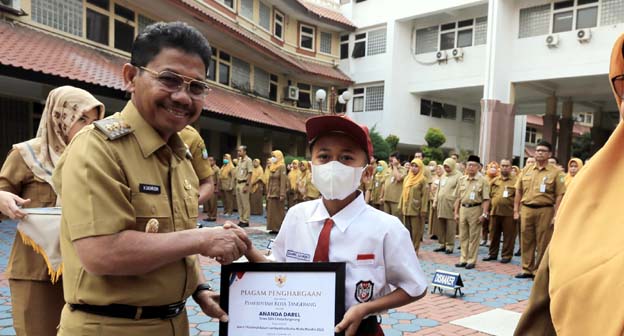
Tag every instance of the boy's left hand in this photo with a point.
(351, 320)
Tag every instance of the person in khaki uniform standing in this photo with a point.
(243, 186)
(502, 193)
(276, 191)
(471, 209)
(128, 230)
(394, 186)
(414, 200)
(25, 181)
(210, 206)
(227, 184)
(445, 202)
(257, 189)
(202, 168)
(538, 194)
(292, 196)
(305, 186)
(379, 180)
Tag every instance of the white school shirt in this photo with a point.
(375, 246)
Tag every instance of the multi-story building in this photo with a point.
(269, 59)
(478, 69)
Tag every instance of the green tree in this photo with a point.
(435, 139)
(393, 141)
(581, 147)
(380, 146)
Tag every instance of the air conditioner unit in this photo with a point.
(457, 53)
(552, 41)
(583, 35)
(292, 93)
(14, 4)
(441, 55)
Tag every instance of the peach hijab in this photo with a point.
(586, 254)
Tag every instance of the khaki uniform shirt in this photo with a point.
(227, 182)
(393, 189)
(502, 194)
(244, 169)
(417, 200)
(277, 183)
(446, 196)
(472, 190)
(15, 177)
(198, 150)
(215, 175)
(109, 186)
(541, 186)
(378, 183)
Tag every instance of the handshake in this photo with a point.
(225, 244)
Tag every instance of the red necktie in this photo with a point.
(321, 254)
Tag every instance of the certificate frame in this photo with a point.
(338, 268)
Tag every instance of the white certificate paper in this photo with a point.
(282, 303)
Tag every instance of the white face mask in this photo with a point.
(273, 160)
(335, 180)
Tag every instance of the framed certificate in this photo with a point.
(282, 299)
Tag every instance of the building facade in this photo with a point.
(269, 59)
(478, 69)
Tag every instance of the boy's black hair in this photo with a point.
(395, 155)
(177, 35)
(545, 143)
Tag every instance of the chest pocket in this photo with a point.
(526, 184)
(550, 184)
(148, 206)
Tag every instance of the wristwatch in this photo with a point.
(202, 287)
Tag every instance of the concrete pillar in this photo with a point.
(566, 124)
(267, 147)
(549, 133)
(239, 135)
(496, 140)
(214, 145)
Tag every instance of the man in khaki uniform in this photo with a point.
(129, 192)
(538, 194)
(243, 186)
(210, 206)
(394, 186)
(445, 202)
(202, 168)
(502, 193)
(471, 209)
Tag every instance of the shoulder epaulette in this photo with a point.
(113, 127)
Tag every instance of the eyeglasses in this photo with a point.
(173, 82)
(618, 85)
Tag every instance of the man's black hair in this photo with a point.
(395, 155)
(545, 143)
(176, 35)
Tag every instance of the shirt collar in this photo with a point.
(149, 140)
(344, 217)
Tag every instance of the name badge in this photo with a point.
(505, 194)
(149, 188)
(376, 184)
(542, 188)
(473, 195)
(443, 183)
(298, 255)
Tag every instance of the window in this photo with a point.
(438, 110)
(456, 34)
(261, 82)
(368, 99)
(326, 42)
(534, 21)
(531, 135)
(585, 118)
(64, 15)
(359, 46)
(469, 115)
(305, 96)
(144, 22)
(425, 107)
(104, 4)
(278, 25)
(344, 46)
(447, 36)
(241, 72)
(220, 65)
(480, 31)
(376, 42)
(265, 16)
(273, 87)
(611, 12)
(427, 39)
(358, 100)
(227, 3)
(124, 28)
(97, 27)
(246, 9)
(306, 37)
(449, 112)
(574, 14)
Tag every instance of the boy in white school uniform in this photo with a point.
(382, 270)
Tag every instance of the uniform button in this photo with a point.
(153, 209)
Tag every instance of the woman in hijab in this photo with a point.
(575, 290)
(257, 189)
(276, 191)
(414, 200)
(574, 166)
(492, 171)
(226, 185)
(379, 180)
(26, 181)
(433, 192)
(306, 188)
(293, 177)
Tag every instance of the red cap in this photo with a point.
(320, 125)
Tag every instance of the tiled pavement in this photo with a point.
(490, 285)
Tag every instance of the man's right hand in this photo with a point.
(224, 244)
(516, 215)
(10, 205)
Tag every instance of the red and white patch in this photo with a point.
(364, 291)
(365, 259)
